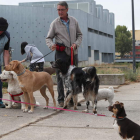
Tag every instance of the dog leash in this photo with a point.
(39, 59)
(72, 55)
(101, 115)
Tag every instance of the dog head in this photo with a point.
(14, 65)
(7, 76)
(62, 65)
(90, 73)
(92, 80)
(118, 109)
(78, 80)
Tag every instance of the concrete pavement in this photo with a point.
(47, 124)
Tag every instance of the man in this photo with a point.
(4, 48)
(67, 34)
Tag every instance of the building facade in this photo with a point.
(31, 21)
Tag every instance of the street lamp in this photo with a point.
(133, 40)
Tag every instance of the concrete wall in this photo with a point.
(111, 79)
(105, 79)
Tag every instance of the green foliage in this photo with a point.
(129, 75)
(137, 65)
(123, 41)
(4, 84)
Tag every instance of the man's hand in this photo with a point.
(53, 47)
(74, 46)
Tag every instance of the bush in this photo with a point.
(4, 84)
(129, 75)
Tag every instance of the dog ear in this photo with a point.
(14, 74)
(117, 102)
(122, 105)
(15, 65)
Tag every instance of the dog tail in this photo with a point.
(111, 88)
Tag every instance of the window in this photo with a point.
(89, 51)
(100, 33)
(110, 36)
(96, 55)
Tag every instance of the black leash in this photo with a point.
(39, 59)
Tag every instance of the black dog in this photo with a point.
(76, 79)
(91, 87)
(125, 127)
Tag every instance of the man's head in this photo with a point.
(3, 25)
(62, 8)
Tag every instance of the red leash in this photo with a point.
(55, 108)
(71, 55)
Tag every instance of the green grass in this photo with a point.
(116, 69)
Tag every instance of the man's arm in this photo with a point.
(6, 57)
(78, 36)
(50, 36)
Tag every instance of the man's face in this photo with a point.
(1, 32)
(62, 11)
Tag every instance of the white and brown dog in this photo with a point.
(15, 92)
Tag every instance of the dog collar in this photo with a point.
(118, 118)
(15, 95)
(21, 73)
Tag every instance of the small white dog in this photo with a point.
(13, 87)
(107, 94)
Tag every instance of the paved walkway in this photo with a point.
(47, 124)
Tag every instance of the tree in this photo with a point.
(123, 41)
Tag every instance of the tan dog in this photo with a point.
(32, 81)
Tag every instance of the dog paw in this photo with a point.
(65, 107)
(25, 110)
(95, 112)
(8, 107)
(30, 111)
(45, 107)
(75, 108)
(85, 111)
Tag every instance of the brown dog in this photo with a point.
(32, 81)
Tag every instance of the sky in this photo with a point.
(121, 8)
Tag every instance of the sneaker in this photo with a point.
(2, 105)
(61, 104)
